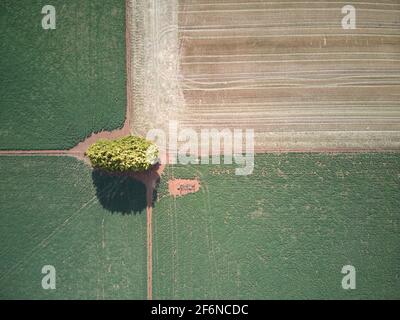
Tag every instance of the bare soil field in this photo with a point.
(286, 69)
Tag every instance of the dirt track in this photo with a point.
(150, 179)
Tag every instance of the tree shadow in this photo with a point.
(119, 193)
(154, 196)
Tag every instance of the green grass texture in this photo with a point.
(58, 86)
(91, 227)
(284, 232)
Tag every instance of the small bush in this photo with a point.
(130, 153)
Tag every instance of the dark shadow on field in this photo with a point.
(154, 196)
(119, 193)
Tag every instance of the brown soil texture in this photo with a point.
(181, 187)
(286, 69)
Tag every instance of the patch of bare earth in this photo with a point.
(181, 187)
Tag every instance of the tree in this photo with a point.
(131, 153)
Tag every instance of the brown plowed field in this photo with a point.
(286, 69)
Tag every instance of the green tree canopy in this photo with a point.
(131, 153)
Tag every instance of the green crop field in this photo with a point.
(91, 228)
(58, 86)
(285, 231)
